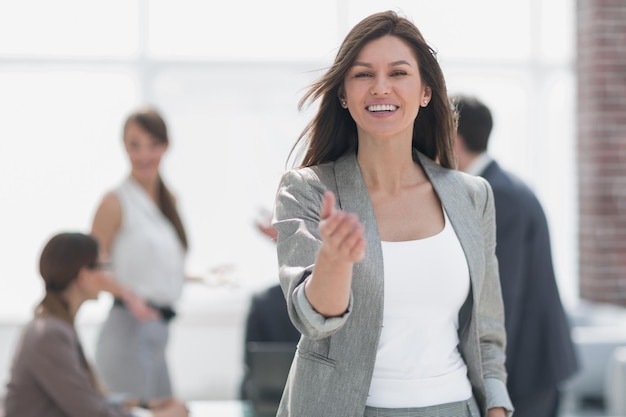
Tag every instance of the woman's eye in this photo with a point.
(362, 75)
(398, 73)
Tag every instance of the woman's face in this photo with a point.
(384, 90)
(144, 152)
(94, 279)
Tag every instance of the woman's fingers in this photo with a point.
(139, 308)
(342, 233)
(328, 205)
(342, 236)
(355, 243)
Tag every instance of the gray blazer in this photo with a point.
(334, 363)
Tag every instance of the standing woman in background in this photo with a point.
(142, 235)
(387, 253)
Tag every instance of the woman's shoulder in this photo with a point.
(110, 207)
(477, 188)
(474, 184)
(312, 175)
(461, 185)
(43, 331)
(111, 200)
(49, 325)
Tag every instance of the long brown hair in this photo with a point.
(150, 120)
(332, 132)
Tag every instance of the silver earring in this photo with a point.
(344, 103)
(425, 102)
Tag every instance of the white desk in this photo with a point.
(219, 409)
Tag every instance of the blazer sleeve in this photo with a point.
(296, 217)
(55, 363)
(490, 311)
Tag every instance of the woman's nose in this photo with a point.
(380, 86)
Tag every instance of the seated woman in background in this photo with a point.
(50, 375)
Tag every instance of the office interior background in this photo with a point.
(228, 76)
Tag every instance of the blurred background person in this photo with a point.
(267, 320)
(50, 375)
(142, 235)
(540, 351)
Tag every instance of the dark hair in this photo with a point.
(475, 122)
(149, 119)
(332, 132)
(63, 257)
(60, 262)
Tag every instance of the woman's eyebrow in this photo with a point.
(391, 64)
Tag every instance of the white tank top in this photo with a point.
(418, 363)
(147, 255)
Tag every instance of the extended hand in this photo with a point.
(342, 234)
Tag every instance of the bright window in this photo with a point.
(228, 77)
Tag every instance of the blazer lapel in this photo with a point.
(457, 203)
(353, 197)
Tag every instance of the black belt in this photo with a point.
(167, 313)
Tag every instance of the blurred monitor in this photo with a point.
(269, 364)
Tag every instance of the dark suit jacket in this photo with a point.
(540, 352)
(267, 321)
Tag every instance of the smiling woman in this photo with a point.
(374, 76)
(386, 253)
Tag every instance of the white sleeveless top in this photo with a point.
(147, 255)
(418, 363)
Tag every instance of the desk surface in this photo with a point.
(242, 409)
(219, 409)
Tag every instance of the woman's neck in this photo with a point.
(149, 185)
(388, 166)
(74, 306)
(63, 305)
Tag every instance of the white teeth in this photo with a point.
(382, 107)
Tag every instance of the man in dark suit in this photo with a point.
(267, 319)
(540, 351)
